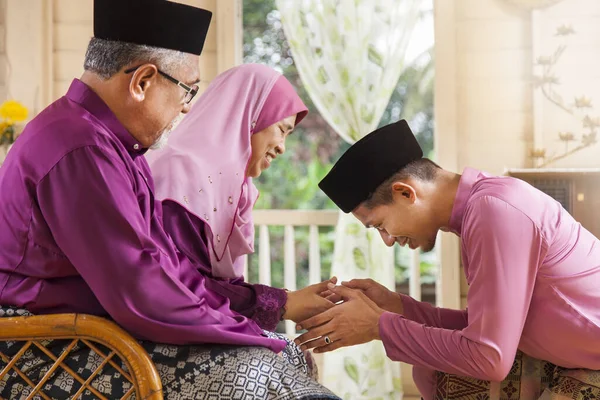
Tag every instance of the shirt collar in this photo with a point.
(468, 178)
(83, 95)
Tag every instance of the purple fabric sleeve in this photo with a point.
(263, 304)
(94, 216)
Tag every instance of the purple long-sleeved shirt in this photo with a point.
(534, 276)
(264, 304)
(80, 231)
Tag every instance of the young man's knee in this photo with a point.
(424, 379)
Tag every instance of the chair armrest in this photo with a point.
(93, 329)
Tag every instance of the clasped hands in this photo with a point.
(340, 316)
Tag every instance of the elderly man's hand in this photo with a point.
(354, 322)
(379, 294)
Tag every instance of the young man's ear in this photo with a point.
(403, 191)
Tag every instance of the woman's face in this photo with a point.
(268, 144)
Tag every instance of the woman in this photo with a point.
(204, 178)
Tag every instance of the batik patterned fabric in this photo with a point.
(528, 379)
(187, 372)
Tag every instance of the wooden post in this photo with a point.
(229, 34)
(446, 143)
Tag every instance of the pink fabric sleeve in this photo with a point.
(503, 248)
(426, 314)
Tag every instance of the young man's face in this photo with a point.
(406, 220)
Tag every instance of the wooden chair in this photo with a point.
(85, 330)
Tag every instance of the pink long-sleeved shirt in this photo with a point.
(534, 277)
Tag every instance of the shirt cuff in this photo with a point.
(270, 307)
(387, 333)
(409, 306)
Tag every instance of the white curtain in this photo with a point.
(350, 54)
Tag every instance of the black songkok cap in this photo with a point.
(370, 162)
(157, 23)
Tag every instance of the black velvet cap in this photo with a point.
(368, 163)
(157, 23)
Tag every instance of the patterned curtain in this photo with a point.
(350, 54)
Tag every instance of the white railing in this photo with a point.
(290, 219)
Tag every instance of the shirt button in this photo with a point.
(136, 146)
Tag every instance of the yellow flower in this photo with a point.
(13, 111)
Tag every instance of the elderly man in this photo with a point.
(81, 231)
(533, 271)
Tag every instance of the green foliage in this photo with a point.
(292, 182)
(413, 100)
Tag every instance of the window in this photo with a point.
(314, 146)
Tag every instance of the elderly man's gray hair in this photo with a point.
(106, 58)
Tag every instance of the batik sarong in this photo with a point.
(528, 379)
(187, 372)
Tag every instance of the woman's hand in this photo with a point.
(308, 302)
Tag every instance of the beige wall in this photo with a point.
(488, 102)
(488, 114)
(46, 42)
(578, 71)
(491, 61)
(2, 51)
(71, 32)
